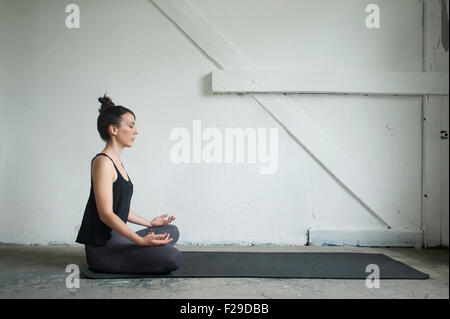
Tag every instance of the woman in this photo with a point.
(111, 246)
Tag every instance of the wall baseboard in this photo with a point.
(366, 237)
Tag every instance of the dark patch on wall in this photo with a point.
(444, 25)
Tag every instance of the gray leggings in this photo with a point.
(121, 255)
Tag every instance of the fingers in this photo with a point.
(158, 239)
(159, 236)
(171, 219)
(153, 239)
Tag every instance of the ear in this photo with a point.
(112, 129)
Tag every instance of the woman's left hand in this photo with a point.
(160, 221)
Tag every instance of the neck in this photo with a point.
(113, 149)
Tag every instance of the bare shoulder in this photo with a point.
(102, 167)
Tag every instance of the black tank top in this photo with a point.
(93, 231)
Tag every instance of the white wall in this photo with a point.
(444, 178)
(51, 76)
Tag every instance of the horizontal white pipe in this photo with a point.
(346, 82)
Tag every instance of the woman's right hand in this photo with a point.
(152, 239)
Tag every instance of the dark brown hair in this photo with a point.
(109, 114)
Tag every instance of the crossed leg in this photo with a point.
(120, 255)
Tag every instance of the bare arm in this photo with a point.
(102, 175)
(136, 219)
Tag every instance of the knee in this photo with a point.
(175, 260)
(174, 232)
(174, 228)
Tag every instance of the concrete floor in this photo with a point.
(39, 272)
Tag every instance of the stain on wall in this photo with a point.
(444, 24)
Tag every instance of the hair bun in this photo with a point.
(106, 102)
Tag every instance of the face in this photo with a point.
(127, 131)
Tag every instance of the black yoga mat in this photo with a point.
(280, 265)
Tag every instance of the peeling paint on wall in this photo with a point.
(388, 126)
